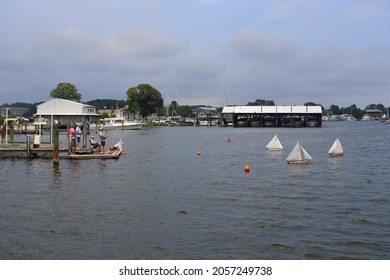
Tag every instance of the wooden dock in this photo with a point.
(114, 154)
(21, 150)
(33, 148)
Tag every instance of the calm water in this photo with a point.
(162, 201)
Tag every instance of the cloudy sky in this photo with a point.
(211, 52)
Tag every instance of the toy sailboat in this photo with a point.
(337, 149)
(298, 155)
(275, 144)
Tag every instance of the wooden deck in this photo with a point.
(46, 151)
(21, 150)
(96, 155)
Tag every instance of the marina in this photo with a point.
(132, 208)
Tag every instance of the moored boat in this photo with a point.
(312, 123)
(118, 123)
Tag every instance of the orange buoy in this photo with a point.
(247, 169)
(198, 153)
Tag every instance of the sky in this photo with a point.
(198, 52)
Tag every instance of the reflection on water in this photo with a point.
(162, 201)
(56, 172)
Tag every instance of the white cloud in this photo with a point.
(208, 1)
(303, 52)
(144, 42)
(261, 46)
(288, 9)
(367, 12)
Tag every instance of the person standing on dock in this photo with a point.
(72, 136)
(103, 136)
(78, 136)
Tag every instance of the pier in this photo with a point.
(33, 148)
(29, 149)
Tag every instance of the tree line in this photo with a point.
(145, 100)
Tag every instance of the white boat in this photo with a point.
(41, 121)
(211, 122)
(275, 144)
(298, 155)
(118, 123)
(337, 149)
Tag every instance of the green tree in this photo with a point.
(66, 91)
(174, 108)
(335, 110)
(355, 111)
(186, 111)
(107, 103)
(311, 104)
(261, 102)
(144, 99)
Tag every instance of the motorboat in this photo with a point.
(118, 123)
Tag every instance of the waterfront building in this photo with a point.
(14, 111)
(65, 111)
(272, 116)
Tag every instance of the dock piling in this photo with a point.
(28, 145)
(56, 150)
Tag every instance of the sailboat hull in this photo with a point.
(302, 161)
(275, 149)
(337, 155)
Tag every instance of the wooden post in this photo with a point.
(11, 133)
(56, 150)
(28, 145)
(84, 134)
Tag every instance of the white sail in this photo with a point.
(274, 144)
(298, 155)
(336, 149)
(306, 155)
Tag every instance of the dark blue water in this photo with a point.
(162, 201)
